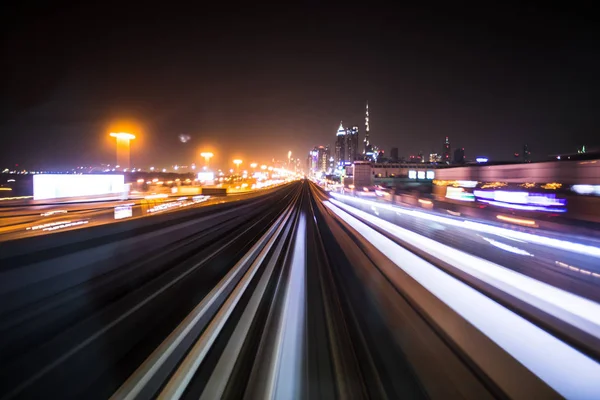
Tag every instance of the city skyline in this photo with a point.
(483, 85)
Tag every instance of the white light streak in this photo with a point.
(580, 312)
(543, 354)
(484, 228)
(505, 247)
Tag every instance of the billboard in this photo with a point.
(50, 186)
(206, 176)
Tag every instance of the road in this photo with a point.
(40, 218)
(289, 294)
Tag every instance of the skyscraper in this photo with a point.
(324, 159)
(321, 156)
(446, 151)
(459, 156)
(340, 145)
(367, 145)
(394, 154)
(352, 144)
(368, 151)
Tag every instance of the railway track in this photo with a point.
(287, 296)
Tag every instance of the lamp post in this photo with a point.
(123, 148)
(207, 156)
(237, 165)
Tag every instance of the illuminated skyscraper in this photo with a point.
(352, 144)
(367, 145)
(319, 160)
(324, 159)
(340, 145)
(369, 152)
(446, 151)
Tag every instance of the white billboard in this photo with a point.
(206, 176)
(52, 186)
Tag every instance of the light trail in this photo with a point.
(543, 354)
(519, 221)
(505, 247)
(483, 228)
(575, 310)
(288, 363)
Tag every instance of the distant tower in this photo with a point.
(366, 140)
(446, 151)
(352, 144)
(459, 156)
(340, 145)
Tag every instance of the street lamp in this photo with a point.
(123, 148)
(253, 165)
(263, 167)
(237, 163)
(207, 156)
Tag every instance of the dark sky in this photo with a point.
(257, 82)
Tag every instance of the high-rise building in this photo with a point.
(369, 152)
(446, 151)
(313, 161)
(320, 156)
(352, 144)
(394, 154)
(340, 145)
(459, 156)
(367, 145)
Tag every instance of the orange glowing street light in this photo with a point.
(263, 167)
(237, 163)
(253, 165)
(123, 148)
(207, 156)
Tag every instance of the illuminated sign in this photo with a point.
(430, 175)
(481, 159)
(124, 211)
(60, 186)
(206, 176)
(412, 174)
(421, 174)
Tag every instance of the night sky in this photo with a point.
(257, 82)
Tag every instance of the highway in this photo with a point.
(39, 217)
(294, 293)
